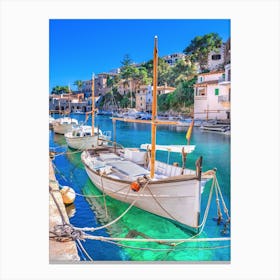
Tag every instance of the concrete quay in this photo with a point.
(59, 252)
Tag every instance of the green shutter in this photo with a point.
(216, 91)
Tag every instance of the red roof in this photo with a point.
(205, 83)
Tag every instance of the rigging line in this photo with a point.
(165, 249)
(118, 218)
(84, 250)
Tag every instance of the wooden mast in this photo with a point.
(154, 109)
(92, 106)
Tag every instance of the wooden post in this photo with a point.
(114, 135)
(154, 109)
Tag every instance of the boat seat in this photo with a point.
(108, 156)
(129, 168)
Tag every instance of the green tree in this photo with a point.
(182, 97)
(124, 102)
(201, 46)
(60, 90)
(78, 84)
(140, 77)
(163, 70)
(127, 67)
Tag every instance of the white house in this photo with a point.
(212, 95)
(216, 59)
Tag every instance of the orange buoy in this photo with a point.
(68, 195)
(135, 186)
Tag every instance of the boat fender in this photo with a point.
(135, 186)
(68, 195)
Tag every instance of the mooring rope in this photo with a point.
(183, 240)
(68, 153)
(165, 249)
(86, 195)
(223, 202)
(118, 218)
(84, 250)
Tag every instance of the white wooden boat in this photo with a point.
(215, 127)
(64, 125)
(169, 194)
(81, 137)
(135, 176)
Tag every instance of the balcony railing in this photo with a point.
(223, 79)
(223, 98)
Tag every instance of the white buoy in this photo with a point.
(68, 195)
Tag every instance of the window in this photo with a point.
(201, 79)
(201, 92)
(216, 57)
(216, 91)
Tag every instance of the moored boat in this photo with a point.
(81, 137)
(215, 127)
(173, 192)
(64, 125)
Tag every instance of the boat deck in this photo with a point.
(117, 166)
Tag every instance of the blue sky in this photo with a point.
(79, 48)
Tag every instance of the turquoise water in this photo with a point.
(215, 149)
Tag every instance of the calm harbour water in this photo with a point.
(90, 212)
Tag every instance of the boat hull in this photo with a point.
(178, 200)
(62, 128)
(82, 143)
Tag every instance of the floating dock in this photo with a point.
(59, 252)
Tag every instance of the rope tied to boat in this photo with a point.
(118, 218)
